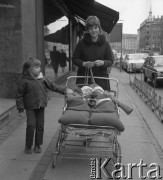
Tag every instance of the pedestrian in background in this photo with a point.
(55, 56)
(93, 51)
(32, 97)
(63, 60)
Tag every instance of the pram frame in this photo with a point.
(96, 77)
(111, 134)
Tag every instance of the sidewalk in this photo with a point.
(142, 139)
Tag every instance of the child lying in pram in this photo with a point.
(94, 95)
(92, 106)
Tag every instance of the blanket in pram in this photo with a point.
(104, 113)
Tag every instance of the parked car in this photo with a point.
(153, 69)
(133, 62)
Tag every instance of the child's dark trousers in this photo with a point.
(35, 127)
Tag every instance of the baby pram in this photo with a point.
(77, 140)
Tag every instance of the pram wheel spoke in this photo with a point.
(60, 143)
(117, 154)
(54, 160)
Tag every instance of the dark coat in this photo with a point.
(63, 59)
(32, 93)
(86, 50)
(55, 57)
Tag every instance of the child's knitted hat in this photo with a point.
(86, 90)
(99, 89)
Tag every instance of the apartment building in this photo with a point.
(151, 34)
(129, 44)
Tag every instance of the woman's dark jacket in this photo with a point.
(86, 50)
(32, 93)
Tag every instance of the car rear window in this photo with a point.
(137, 56)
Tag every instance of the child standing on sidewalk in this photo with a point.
(32, 96)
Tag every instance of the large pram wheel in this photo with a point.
(57, 150)
(117, 155)
(54, 160)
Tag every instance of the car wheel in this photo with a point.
(145, 78)
(154, 81)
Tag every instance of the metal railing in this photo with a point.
(148, 95)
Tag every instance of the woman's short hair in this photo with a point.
(92, 21)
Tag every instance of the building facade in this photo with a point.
(21, 37)
(151, 34)
(129, 44)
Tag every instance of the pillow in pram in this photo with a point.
(106, 119)
(74, 117)
(105, 105)
(77, 112)
(105, 114)
(74, 103)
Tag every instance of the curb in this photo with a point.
(5, 116)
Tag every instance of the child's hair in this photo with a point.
(29, 64)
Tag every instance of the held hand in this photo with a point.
(69, 92)
(88, 64)
(99, 63)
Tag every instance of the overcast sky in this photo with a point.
(132, 13)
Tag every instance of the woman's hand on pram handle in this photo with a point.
(99, 63)
(88, 64)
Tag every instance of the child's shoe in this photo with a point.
(28, 150)
(37, 149)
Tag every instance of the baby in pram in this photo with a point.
(91, 105)
(94, 95)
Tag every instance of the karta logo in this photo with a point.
(101, 165)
